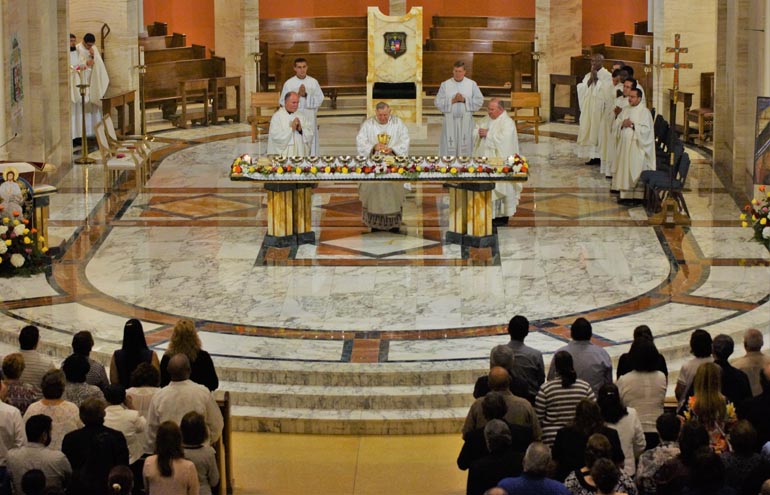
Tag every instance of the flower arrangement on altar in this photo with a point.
(22, 251)
(413, 167)
(757, 216)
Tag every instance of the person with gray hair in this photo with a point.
(501, 462)
(753, 362)
(503, 356)
(534, 480)
(735, 384)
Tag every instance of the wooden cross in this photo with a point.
(676, 65)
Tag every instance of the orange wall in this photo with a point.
(597, 25)
(195, 18)
(273, 9)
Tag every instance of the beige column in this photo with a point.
(397, 7)
(559, 32)
(3, 92)
(236, 38)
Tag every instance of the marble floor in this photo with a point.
(375, 328)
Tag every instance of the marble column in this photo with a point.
(3, 92)
(397, 7)
(236, 38)
(41, 117)
(559, 32)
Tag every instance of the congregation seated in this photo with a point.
(185, 340)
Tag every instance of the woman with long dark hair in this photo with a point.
(133, 352)
(168, 472)
(557, 399)
(626, 422)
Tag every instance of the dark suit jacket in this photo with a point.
(487, 472)
(475, 446)
(92, 452)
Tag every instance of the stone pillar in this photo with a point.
(397, 7)
(41, 119)
(559, 32)
(140, 25)
(236, 38)
(3, 92)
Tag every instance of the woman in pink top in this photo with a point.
(168, 472)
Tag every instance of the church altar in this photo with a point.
(289, 182)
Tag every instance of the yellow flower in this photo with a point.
(279, 171)
(763, 221)
(418, 168)
(743, 216)
(471, 170)
(443, 170)
(26, 231)
(768, 195)
(8, 242)
(27, 240)
(453, 170)
(744, 224)
(313, 169)
(45, 250)
(252, 170)
(345, 170)
(359, 170)
(328, 170)
(499, 170)
(401, 170)
(6, 220)
(754, 201)
(16, 222)
(41, 238)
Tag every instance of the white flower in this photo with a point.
(766, 232)
(17, 260)
(3, 248)
(19, 229)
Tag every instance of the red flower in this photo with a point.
(762, 188)
(16, 213)
(25, 221)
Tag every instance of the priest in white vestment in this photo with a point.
(290, 134)
(636, 147)
(496, 136)
(383, 134)
(310, 97)
(457, 99)
(91, 71)
(591, 97)
(607, 139)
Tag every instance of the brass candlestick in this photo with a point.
(84, 159)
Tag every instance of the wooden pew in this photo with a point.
(496, 73)
(175, 40)
(162, 80)
(623, 53)
(481, 33)
(641, 28)
(292, 23)
(174, 54)
(157, 29)
(484, 21)
(630, 40)
(359, 45)
(485, 46)
(336, 72)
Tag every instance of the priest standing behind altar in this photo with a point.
(457, 99)
(591, 99)
(290, 133)
(496, 137)
(310, 97)
(92, 72)
(384, 135)
(636, 147)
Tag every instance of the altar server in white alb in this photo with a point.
(636, 147)
(386, 135)
(87, 67)
(591, 97)
(496, 136)
(290, 134)
(457, 99)
(607, 139)
(310, 97)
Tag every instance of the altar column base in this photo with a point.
(470, 216)
(289, 214)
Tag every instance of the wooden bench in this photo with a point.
(174, 54)
(157, 29)
(485, 46)
(336, 72)
(630, 40)
(641, 28)
(481, 33)
(193, 91)
(162, 80)
(497, 74)
(484, 21)
(626, 54)
(271, 66)
(160, 42)
(703, 116)
(291, 23)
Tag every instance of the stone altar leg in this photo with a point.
(289, 212)
(470, 216)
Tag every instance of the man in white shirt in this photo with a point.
(37, 454)
(11, 436)
(591, 99)
(457, 98)
(290, 134)
(496, 136)
(181, 396)
(310, 97)
(129, 422)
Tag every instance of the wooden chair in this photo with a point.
(218, 90)
(262, 101)
(703, 117)
(116, 161)
(521, 100)
(194, 91)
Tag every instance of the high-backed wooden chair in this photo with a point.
(259, 102)
(523, 100)
(194, 91)
(116, 161)
(703, 117)
(218, 90)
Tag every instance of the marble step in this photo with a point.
(348, 422)
(355, 398)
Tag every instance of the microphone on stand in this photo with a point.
(12, 138)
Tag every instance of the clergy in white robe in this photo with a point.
(382, 201)
(91, 71)
(591, 100)
(607, 139)
(496, 136)
(457, 99)
(636, 147)
(310, 97)
(289, 134)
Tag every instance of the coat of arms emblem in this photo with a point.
(395, 44)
